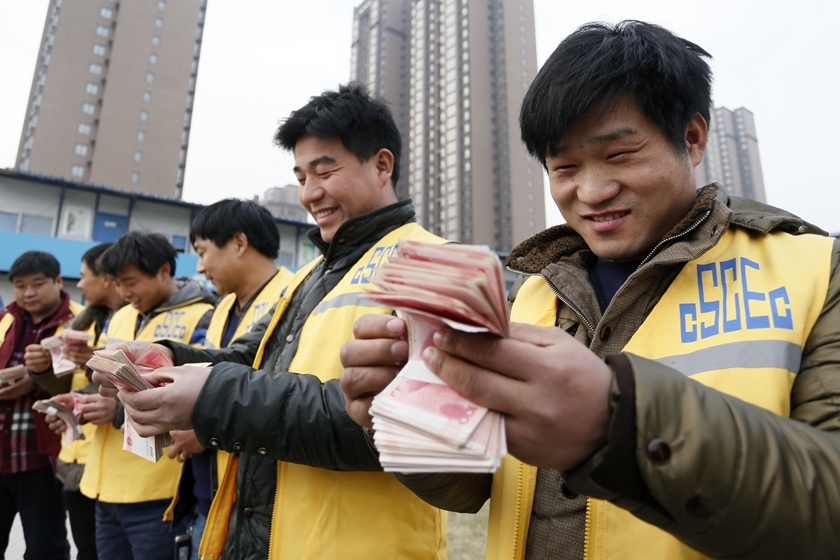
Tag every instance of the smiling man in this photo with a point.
(289, 405)
(686, 407)
(132, 494)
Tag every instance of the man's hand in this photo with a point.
(370, 362)
(22, 386)
(55, 423)
(553, 391)
(79, 354)
(98, 410)
(168, 407)
(36, 358)
(132, 349)
(184, 445)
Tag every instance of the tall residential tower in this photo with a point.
(112, 95)
(731, 156)
(469, 64)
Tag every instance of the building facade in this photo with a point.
(112, 94)
(469, 65)
(66, 218)
(731, 157)
(283, 202)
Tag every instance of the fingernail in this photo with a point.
(428, 355)
(395, 325)
(439, 338)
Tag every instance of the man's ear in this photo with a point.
(384, 160)
(696, 136)
(240, 243)
(60, 282)
(165, 270)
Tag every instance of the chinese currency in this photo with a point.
(420, 423)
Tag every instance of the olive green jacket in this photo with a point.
(772, 488)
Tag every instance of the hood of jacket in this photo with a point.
(549, 246)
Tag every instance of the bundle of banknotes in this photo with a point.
(421, 424)
(125, 374)
(72, 429)
(56, 345)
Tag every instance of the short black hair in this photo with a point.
(219, 222)
(600, 63)
(93, 255)
(363, 123)
(147, 251)
(33, 262)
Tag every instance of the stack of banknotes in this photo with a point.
(56, 345)
(421, 424)
(72, 429)
(125, 375)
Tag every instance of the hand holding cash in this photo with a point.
(57, 346)
(59, 407)
(421, 424)
(125, 374)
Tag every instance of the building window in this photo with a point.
(138, 156)
(158, 22)
(36, 224)
(92, 88)
(80, 149)
(153, 58)
(144, 116)
(135, 177)
(77, 170)
(99, 50)
(147, 96)
(150, 77)
(103, 31)
(179, 242)
(8, 221)
(107, 13)
(84, 128)
(95, 68)
(88, 108)
(141, 135)
(161, 5)
(155, 40)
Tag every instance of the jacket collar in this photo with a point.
(363, 230)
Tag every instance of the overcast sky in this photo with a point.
(261, 59)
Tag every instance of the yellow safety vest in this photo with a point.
(116, 476)
(77, 451)
(735, 319)
(328, 514)
(268, 296)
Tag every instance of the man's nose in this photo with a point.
(595, 187)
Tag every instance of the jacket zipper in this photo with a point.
(568, 302)
(517, 518)
(691, 228)
(587, 527)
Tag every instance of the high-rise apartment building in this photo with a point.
(731, 157)
(112, 95)
(469, 65)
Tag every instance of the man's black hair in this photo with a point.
(219, 222)
(599, 64)
(33, 262)
(362, 123)
(93, 255)
(147, 251)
